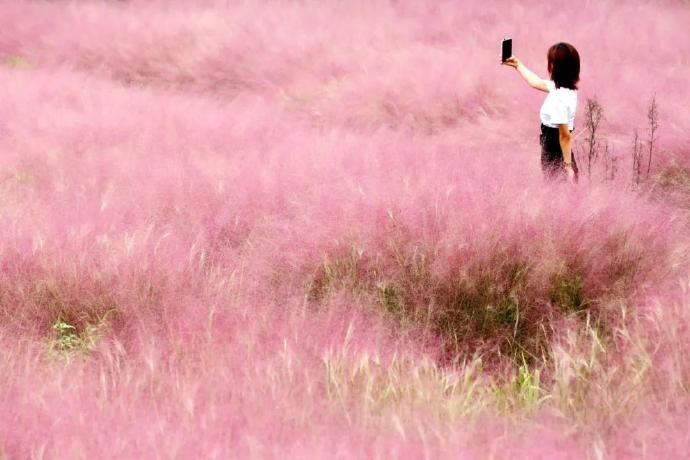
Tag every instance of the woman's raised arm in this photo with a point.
(530, 77)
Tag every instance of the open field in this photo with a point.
(319, 229)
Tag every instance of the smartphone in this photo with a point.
(507, 49)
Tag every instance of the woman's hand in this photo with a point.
(570, 173)
(512, 61)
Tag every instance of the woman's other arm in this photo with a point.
(530, 77)
(565, 138)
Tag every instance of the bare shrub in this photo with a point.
(593, 117)
(610, 163)
(652, 127)
(637, 159)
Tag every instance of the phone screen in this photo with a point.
(507, 49)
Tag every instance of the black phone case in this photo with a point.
(507, 49)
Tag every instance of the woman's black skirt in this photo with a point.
(551, 154)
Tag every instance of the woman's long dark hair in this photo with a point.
(564, 65)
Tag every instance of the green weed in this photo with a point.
(67, 339)
(568, 293)
(391, 298)
(17, 62)
(523, 392)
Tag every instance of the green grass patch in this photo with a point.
(499, 304)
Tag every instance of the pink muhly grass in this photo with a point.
(320, 230)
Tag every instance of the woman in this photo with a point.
(558, 110)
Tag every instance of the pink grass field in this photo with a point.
(319, 229)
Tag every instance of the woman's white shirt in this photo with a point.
(559, 106)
